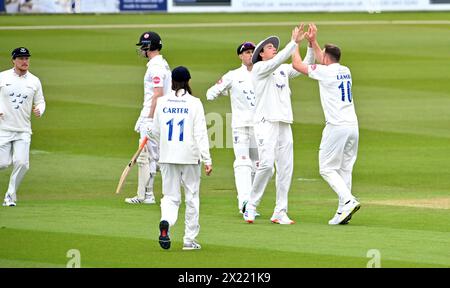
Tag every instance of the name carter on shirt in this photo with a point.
(172, 110)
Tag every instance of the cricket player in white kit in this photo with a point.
(238, 85)
(157, 82)
(273, 118)
(339, 145)
(180, 129)
(20, 95)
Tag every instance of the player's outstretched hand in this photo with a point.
(312, 33)
(208, 169)
(297, 34)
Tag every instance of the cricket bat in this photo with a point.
(130, 165)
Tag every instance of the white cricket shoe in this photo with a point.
(244, 208)
(8, 203)
(348, 210)
(249, 216)
(256, 213)
(192, 246)
(137, 200)
(149, 200)
(281, 218)
(336, 219)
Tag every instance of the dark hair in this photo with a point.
(333, 51)
(176, 86)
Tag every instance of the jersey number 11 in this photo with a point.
(181, 124)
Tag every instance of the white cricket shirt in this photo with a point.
(271, 82)
(180, 129)
(238, 84)
(17, 96)
(335, 83)
(158, 74)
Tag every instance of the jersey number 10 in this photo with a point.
(349, 91)
(181, 124)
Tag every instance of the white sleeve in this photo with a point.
(317, 71)
(38, 99)
(157, 76)
(263, 68)
(201, 134)
(309, 59)
(222, 87)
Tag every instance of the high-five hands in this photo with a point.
(297, 33)
(311, 34)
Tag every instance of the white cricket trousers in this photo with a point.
(15, 149)
(147, 162)
(275, 147)
(246, 158)
(337, 155)
(173, 176)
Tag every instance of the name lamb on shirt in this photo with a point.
(345, 77)
(172, 110)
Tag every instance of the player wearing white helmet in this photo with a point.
(238, 85)
(180, 129)
(273, 118)
(20, 95)
(339, 145)
(157, 82)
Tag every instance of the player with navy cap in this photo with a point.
(20, 95)
(181, 132)
(238, 85)
(157, 82)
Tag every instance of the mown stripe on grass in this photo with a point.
(47, 249)
(222, 25)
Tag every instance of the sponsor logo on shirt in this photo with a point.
(156, 80)
(313, 67)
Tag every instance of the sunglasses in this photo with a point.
(246, 45)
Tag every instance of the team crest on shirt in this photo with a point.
(282, 73)
(260, 142)
(156, 80)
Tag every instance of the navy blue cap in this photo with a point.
(20, 52)
(181, 74)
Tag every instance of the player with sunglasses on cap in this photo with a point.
(157, 82)
(20, 95)
(273, 119)
(238, 85)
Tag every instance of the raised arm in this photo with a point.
(298, 64)
(311, 35)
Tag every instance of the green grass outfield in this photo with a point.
(92, 81)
